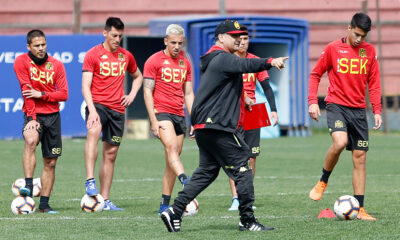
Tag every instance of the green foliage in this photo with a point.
(286, 170)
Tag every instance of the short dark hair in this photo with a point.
(362, 21)
(33, 34)
(114, 22)
(245, 29)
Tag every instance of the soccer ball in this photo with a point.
(23, 205)
(346, 207)
(192, 208)
(20, 183)
(17, 185)
(37, 187)
(92, 203)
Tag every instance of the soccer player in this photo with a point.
(351, 64)
(167, 86)
(43, 84)
(217, 119)
(104, 69)
(252, 137)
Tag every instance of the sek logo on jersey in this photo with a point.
(41, 76)
(352, 65)
(112, 68)
(175, 75)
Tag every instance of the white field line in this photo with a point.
(153, 218)
(256, 177)
(137, 180)
(121, 198)
(198, 217)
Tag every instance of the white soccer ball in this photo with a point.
(17, 185)
(346, 207)
(92, 203)
(23, 205)
(20, 183)
(192, 208)
(37, 187)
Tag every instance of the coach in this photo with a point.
(217, 116)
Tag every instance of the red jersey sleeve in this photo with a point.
(323, 65)
(150, 68)
(374, 86)
(132, 66)
(261, 76)
(22, 72)
(61, 93)
(89, 63)
(189, 70)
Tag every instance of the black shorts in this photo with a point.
(252, 138)
(178, 122)
(112, 123)
(227, 149)
(350, 120)
(49, 134)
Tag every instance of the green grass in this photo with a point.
(286, 171)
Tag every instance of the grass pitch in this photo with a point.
(286, 170)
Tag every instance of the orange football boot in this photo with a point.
(363, 215)
(318, 190)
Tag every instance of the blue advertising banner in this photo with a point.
(69, 49)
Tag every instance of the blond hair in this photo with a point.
(174, 29)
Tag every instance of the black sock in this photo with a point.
(325, 175)
(182, 177)
(89, 179)
(360, 199)
(29, 184)
(165, 199)
(44, 202)
(28, 181)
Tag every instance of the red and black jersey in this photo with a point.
(108, 70)
(349, 69)
(48, 77)
(170, 74)
(249, 80)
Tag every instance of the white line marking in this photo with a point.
(23, 218)
(223, 178)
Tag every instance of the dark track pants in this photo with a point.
(229, 151)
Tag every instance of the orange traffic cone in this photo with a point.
(326, 213)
